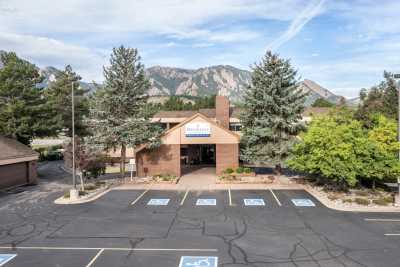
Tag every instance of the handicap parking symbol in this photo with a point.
(190, 261)
(206, 202)
(158, 202)
(254, 202)
(303, 202)
(4, 258)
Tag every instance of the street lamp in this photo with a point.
(74, 193)
(396, 77)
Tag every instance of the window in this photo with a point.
(236, 127)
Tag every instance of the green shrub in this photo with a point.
(361, 201)
(389, 199)
(362, 193)
(239, 170)
(90, 187)
(380, 202)
(347, 200)
(247, 170)
(229, 171)
(50, 153)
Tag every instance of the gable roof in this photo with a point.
(12, 149)
(208, 112)
(196, 115)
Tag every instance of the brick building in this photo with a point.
(192, 139)
(17, 163)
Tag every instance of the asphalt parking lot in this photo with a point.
(198, 229)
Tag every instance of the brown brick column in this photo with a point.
(32, 172)
(163, 160)
(227, 156)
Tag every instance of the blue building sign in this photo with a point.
(193, 261)
(197, 129)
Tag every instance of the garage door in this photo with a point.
(13, 174)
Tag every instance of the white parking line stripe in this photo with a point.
(381, 220)
(392, 234)
(115, 249)
(276, 198)
(184, 197)
(230, 197)
(139, 197)
(95, 258)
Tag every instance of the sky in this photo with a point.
(344, 45)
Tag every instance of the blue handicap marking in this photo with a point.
(191, 261)
(254, 202)
(158, 202)
(206, 202)
(303, 202)
(4, 258)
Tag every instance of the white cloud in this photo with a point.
(156, 16)
(307, 14)
(46, 51)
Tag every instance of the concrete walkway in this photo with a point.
(200, 178)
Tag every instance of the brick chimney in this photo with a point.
(222, 111)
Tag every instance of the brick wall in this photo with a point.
(227, 157)
(222, 111)
(163, 160)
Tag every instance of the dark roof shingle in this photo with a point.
(12, 149)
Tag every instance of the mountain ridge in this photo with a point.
(220, 79)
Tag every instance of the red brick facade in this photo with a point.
(163, 160)
(222, 111)
(227, 156)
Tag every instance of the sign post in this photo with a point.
(132, 164)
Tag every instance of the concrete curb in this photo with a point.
(329, 205)
(82, 200)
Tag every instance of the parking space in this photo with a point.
(49, 257)
(239, 196)
(167, 228)
(289, 198)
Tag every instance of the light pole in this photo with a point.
(74, 193)
(396, 78)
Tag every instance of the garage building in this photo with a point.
(17, 163)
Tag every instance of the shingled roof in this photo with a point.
(234, 112)
(12, 149)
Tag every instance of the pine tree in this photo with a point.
(24, 113)
(59, 97)
(120, 114)
(273, 106)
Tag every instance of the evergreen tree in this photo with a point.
(23, 110)
(322, 103)
(120, 115)
(273, 106)
(380, 99)
(59, 97)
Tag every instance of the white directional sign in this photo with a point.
(303, 202)
(254, 202)
(4, 258)
(158, 202)
(206, 202)
(191, 261)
